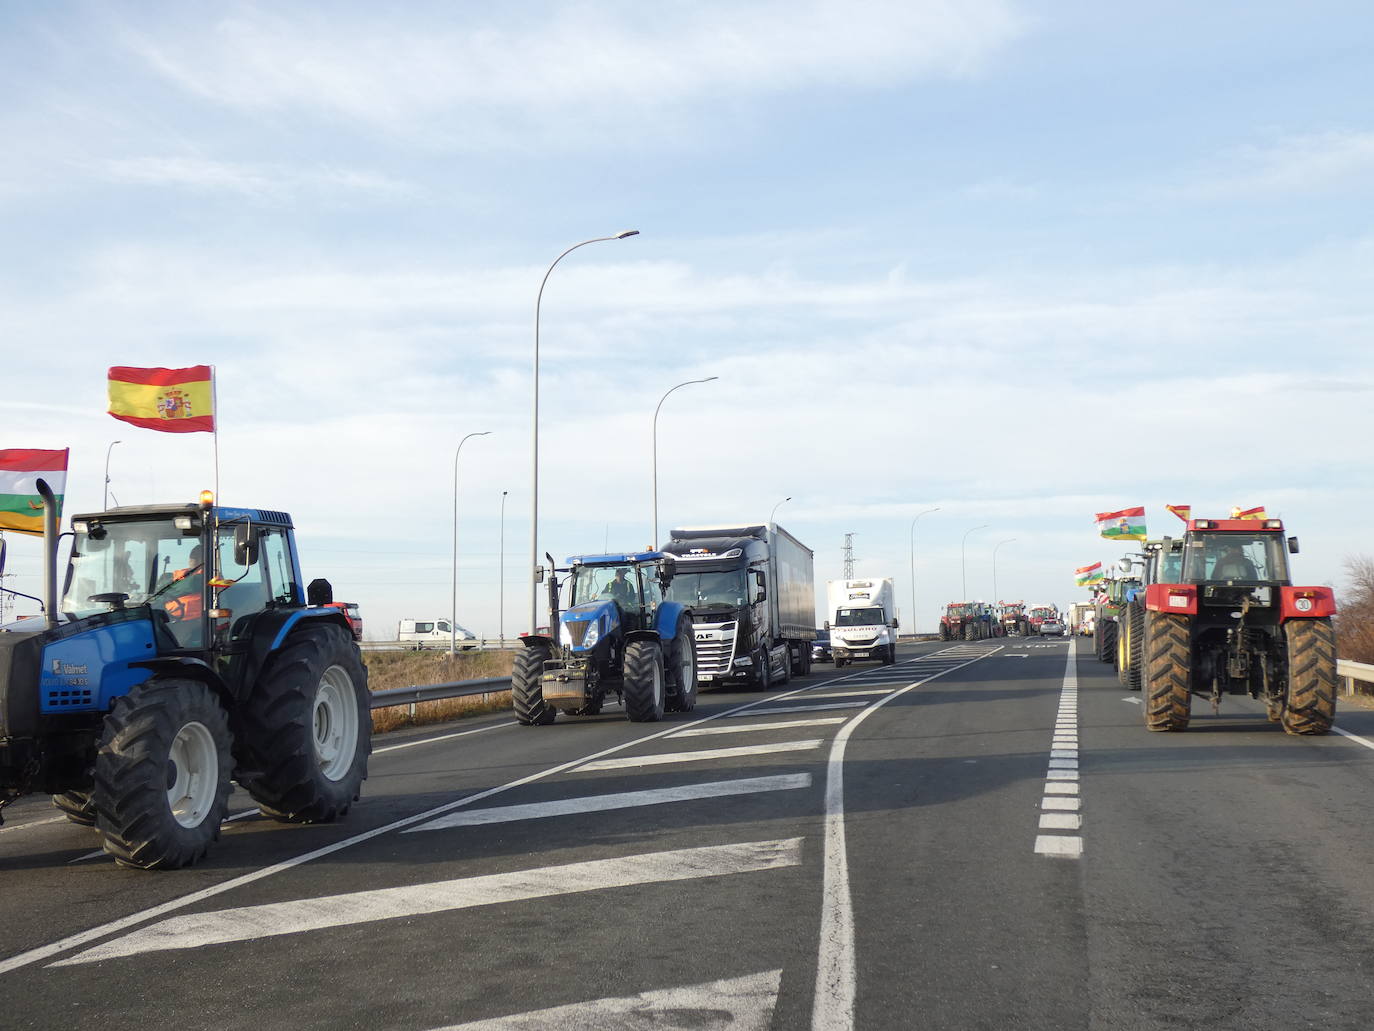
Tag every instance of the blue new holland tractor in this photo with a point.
(618, 636)
(182, 653)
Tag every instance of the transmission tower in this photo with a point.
(849, 556)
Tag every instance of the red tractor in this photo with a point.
(962, 621)
(1014, 621)
(1235, 624)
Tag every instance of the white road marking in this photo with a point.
(739, 1004)
(195, 930)
(1354, 737)
(228, 819)
(746, 728)
(1064, 753)
(1133, 701)
(442, 737)
(619, 800)
(631, 761)
(1060, 822)
(1057, 788)
(824, 706)
(1064, 803)
(32, 823)
(832, 1006)
(1066, 846)
(1063, 764)
(851, 693)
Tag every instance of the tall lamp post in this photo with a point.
(686, 383)
(776, 507)
(534, 444)
(997, 598)
(453, 615)
(911, 535)
(963, 564)
(107, 471)
(501, 567)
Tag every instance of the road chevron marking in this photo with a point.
(627, 762)
(246, 923)
(739, 1004)
(619, 800)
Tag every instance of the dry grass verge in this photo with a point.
(387, 670)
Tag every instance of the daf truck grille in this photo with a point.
(714, 657)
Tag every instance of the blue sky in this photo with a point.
(1021, 261)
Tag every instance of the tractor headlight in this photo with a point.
(593, 634)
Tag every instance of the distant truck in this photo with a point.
(862, 622)
(1081, 616)
(751, 592)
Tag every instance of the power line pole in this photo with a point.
(849, 556)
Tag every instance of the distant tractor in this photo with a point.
(1233, 623)
(1159, 566)
(1106, 626)
(1014, 620)
(963, 621)
(1039, 615)
(617, 636)
(181, 654)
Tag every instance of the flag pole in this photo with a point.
(214, 431)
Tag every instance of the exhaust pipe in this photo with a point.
(49, 553)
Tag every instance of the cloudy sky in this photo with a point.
(1020, 261)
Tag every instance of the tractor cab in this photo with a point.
(606, 591)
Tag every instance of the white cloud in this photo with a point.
(261, 182)
(1299, 163)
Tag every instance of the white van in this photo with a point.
(435, 632)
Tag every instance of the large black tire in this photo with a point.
(968, 631)
(840, 663)
(1099, 636)
(1135, 675)
(76, 806)
(1310, 707)
(1109, 643)
(1123, 655)
(944, 632)
(1168, 672)
(763, 670)
(890, 655)
(682, 668)
(306, 728)
(643, 686)
(526, 690)
(163, 729)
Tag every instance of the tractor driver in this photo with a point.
(188, 603)
(1233, 565)
(620, 589)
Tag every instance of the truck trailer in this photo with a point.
(862, 621)
(751, 592)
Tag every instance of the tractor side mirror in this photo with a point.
(539, 574)
(3, 545)
(245, 544)
(895, 626)
(827, 624)
(319, 592)
(1292, 548)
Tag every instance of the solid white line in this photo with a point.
(1060, 822)
(442, 737)
(246, 923)
(742, 1003)
(631, 761)
(32, 823)
(747, 728)
(1059, 845)
(1354, 737)
(832, 1006)
(619, 800)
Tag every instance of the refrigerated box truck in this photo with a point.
(862, 620)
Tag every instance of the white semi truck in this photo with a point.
(863, 621)
(752, 596)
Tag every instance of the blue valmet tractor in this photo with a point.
(181, 654)
(618, 636)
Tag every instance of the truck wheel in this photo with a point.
(799, 656)
(1136, 651)
(682, 668)
(644, 681)
(162, 774)
(1310, 707)
(76, 806)
(1168, 669)
(526, 688)
(763, 679)
(307, 728)
(839, 662)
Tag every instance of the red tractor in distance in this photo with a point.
(1235, 624)
(1014, 620)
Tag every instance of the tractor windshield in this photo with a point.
(858, 617)
(121, 564)
(1170, 568)
(701, 591)
(604, 583)
(1255, 557)
(960, 611)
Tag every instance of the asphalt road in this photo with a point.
(982, 836)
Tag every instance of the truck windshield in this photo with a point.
(706, 590)
(1234, 556)
(136, 562)
(858, 617)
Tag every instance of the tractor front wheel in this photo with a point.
(162, 774)
(1310, 706)
(682, 668)
(1168, 671)
(307, 728)
(644, 694)
(526, 686)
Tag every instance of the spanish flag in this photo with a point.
(1249, 513)
(169, 400)
(21, 506)
(1184, 512)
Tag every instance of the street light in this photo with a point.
(911, 534)
(453, 615)
(687, 383)
(534, 444)
(501, 566)
(963, 565)
(996, 598)
(775, 509)
(107, 471)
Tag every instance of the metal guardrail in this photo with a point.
(1353, 673)
(438, 692)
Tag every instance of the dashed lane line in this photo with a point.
(1060, 805)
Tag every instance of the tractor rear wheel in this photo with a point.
(1168, 672)
(682, 668)
(162, 774)
(526, 687)
(1109, 632)
(1136, 650)
(644, 693)
(307, 728)
(76, 806)
(1310, 707)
